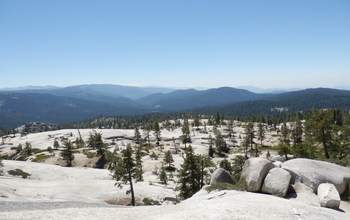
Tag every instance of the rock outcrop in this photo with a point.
(328, 196)
(313, 172)
(221, 176)
(254, 172)
(276, 182)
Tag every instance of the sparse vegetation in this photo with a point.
(239, 186)
(19, 172)
(40, 157)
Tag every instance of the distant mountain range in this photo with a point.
(65, 105)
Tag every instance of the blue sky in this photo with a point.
(175, 43)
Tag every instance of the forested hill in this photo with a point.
(20, 108)
(303, 100)
(17, 108)
(188, 99)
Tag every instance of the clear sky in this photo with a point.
(175, 43)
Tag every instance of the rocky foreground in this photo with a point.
(54, 192)
(203, 205)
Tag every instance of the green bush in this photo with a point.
(148, 201)
(40, 157)
(37, 150)
(90, 154)
(241, 185)
(19, 172)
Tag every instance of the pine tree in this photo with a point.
(157, 131)
(124, 170)
(319, 128)
(189, 175)
(220, 144)
(186, 133)
(211, 150)
(163, 177)
(56, 145)
(67, 153)
(27, 150)
(237, 167)
(1, 166)
(297, 130)
(217, 118)
(147, 130)
(138, 159)
(250, 134)
(204, 162)
(137, 135)
(19, 148)
(225, 164)
(284, 150)
(95, 142)
(196, 121)
(168, 158)
(284, 134)
(261, 133)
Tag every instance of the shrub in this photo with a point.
(241, 185)
(148, 201)
(40, 157)
(19, 172)
(90, 154)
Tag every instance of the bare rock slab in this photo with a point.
(221, 176)
(254, 172)
(328, 196)
(276, 182)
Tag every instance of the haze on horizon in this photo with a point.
(265, 44)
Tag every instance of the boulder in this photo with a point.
(221, 176)
(254, 172)
(313, 172)
(277, 164)
(328, 196)
(281, 158)
(276, 182)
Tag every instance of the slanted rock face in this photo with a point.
(276, 182)
(313, 172)
(328, 196)
(221, 176)
(254, 172)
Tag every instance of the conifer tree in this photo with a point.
(168, 158)
(1, 166)
(319, 128)
(250, 134)
(237, 167)
(211, 150)
(196, 121)
(189, 175)
(137, 135)
(124, 170)
(157, 131)
(147, 130)
(217, 118)
(163, 177)
(67, 153)
(27, 150)
(220, 144)
(56, 145)
(95, 142)
(138, 159)
(186, 133)
(297, 130)
(284, 134)
(261, 133)
(225, 164)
